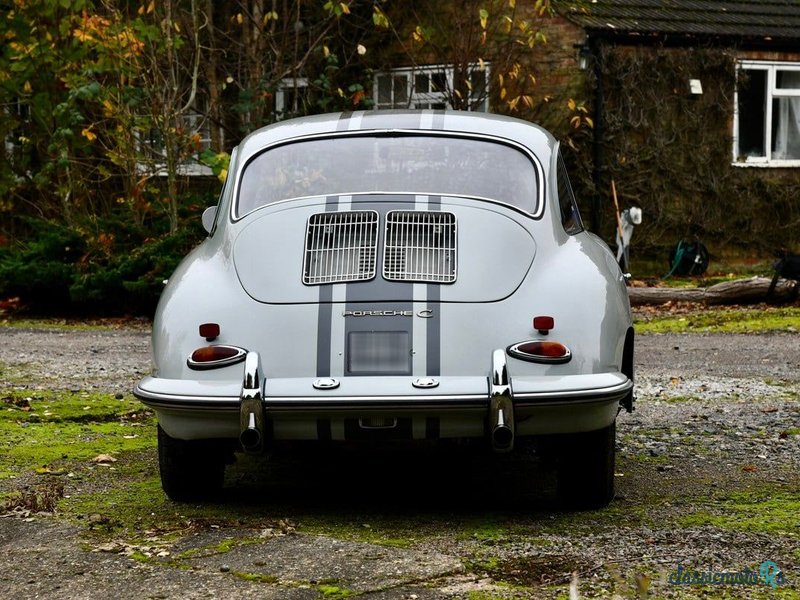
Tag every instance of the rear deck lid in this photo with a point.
(375, 248)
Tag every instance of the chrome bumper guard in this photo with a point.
(252, 411)
(501, 405)
(251, 406)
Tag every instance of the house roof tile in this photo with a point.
(776, 19)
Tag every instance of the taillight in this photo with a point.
(543, 324)
(541, 352)
(210, 331)
(213, 357)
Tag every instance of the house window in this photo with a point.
(430, 87)
(197, 133)
(767, 120)
(17, 114)
(291, 98)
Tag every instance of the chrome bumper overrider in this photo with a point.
(501, 404)
(510, 406)
(251, 406)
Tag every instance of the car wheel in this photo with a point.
(190, 469)
(585, 466)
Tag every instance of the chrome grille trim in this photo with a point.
(420, 246)
(340, 246)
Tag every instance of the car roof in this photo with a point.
(536, 139)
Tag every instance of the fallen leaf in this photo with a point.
(104, 458)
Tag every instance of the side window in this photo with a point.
(767, 120)
(570, 217)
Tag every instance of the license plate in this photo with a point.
(379, 353)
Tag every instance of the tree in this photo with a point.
(475, 37)
(45, 97)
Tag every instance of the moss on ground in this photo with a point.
(725, 320)
(762, 511)
(46, 432)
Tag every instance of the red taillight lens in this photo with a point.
(543, 324)
(210, 331)
(538, 351)
(212, 357)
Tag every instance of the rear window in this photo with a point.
(432, 165)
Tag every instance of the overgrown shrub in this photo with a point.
(670, 152)
(131, 283)
(41, 268)
(105, 266)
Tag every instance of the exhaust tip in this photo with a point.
(502, 436)
(250, 439)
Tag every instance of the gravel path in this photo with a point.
(718, 417)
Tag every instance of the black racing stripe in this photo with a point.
(438, 119)
(433, 352)
(380, 293)
(344, 121)
(324, 330)
(325, 313)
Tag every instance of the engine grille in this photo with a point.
(340, 246)
(420, 246)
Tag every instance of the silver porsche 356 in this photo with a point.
(381, 276)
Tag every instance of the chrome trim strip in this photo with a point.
(540, 172)
(616, 392)
(356, 401)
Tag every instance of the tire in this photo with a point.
(585, 468)
(191, 470)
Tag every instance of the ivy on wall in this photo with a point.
(670, 152)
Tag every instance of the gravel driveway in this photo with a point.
(707, 480)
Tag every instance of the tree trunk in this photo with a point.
(742, 291)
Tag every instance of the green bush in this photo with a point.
(104, 267)
(131, 283)
(41, 269)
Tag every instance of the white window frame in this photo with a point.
(191, 167)
(281, 95)
(15, 111)
(772, 92)
(416, 99)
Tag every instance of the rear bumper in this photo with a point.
(455, 407)
(452, 393)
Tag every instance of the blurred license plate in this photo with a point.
(378, 353)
